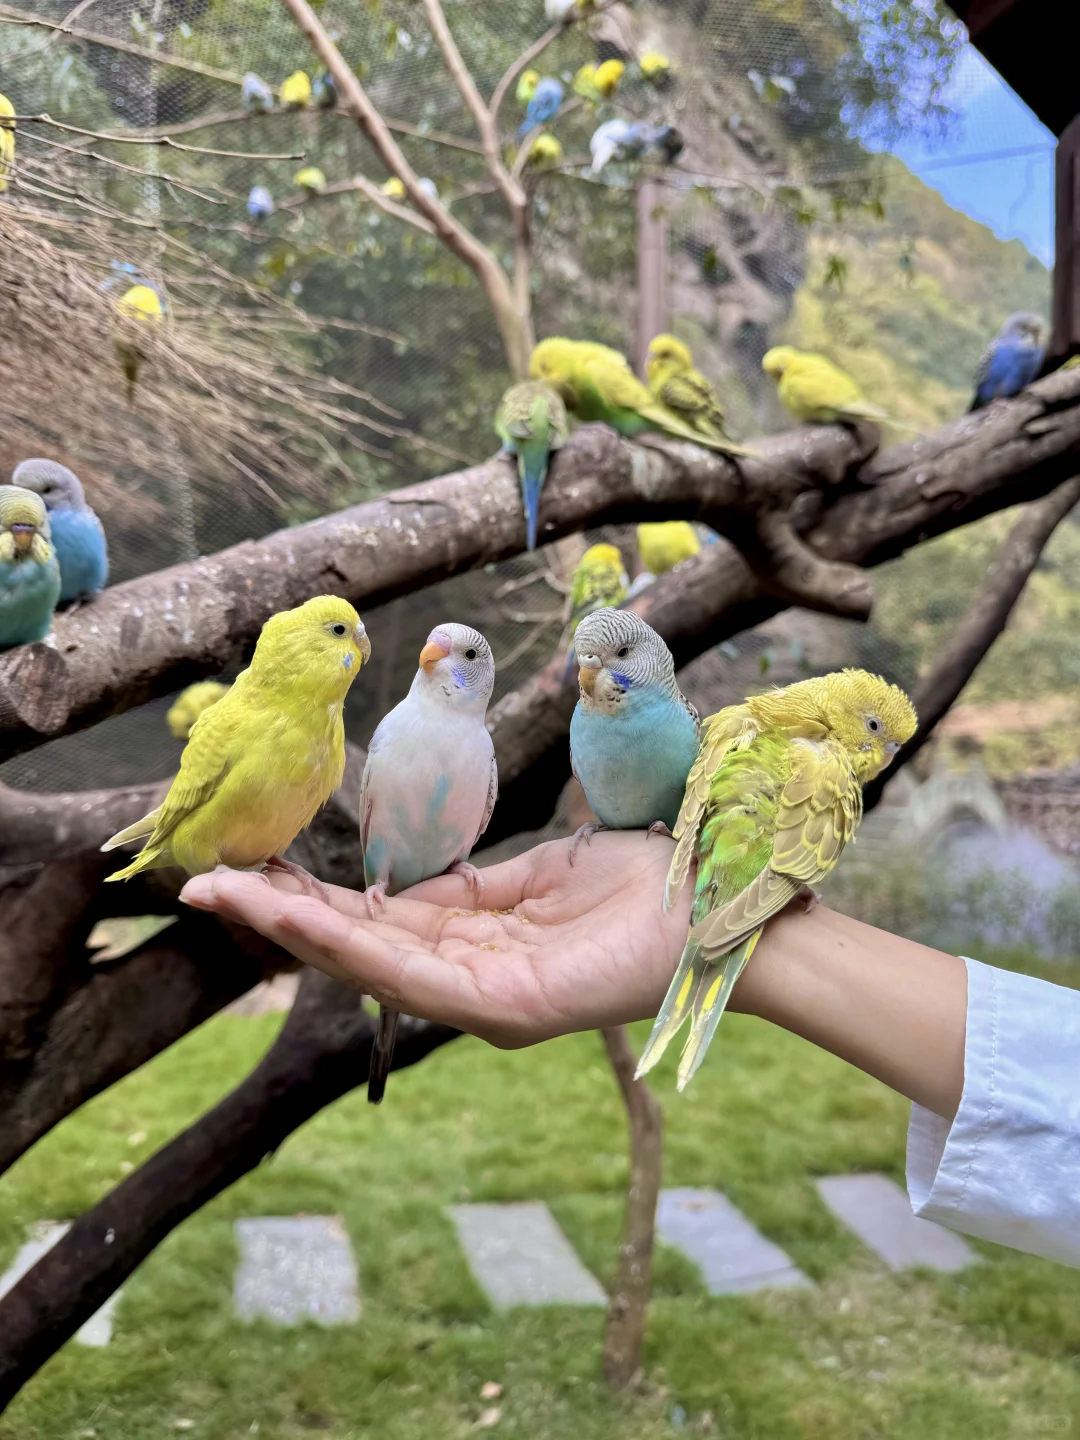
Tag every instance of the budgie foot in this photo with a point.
(808, 899)
(308, 883)
(471, 876)
(659, 828)
(375, 899)
(583, 833)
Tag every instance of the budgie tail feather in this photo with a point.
(532, 467)
(382, 1052)
(704, 991)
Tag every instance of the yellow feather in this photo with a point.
(263, 759)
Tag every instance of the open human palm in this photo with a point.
(555, 948)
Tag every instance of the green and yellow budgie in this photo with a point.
(7, 141)
(531, 423)
(190, 704)
(600, 581)
(682, 389)
(267, 756)
(664, 544)
(597, 383)
(774, 796)
(816, 391)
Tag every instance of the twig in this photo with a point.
(166, 141)
(523, 61)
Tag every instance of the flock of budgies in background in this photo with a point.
(52, 549)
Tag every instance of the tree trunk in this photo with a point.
(624, 1329)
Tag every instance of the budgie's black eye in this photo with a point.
(470, 654)
(622, 654)
(338, 628)
(873, 724)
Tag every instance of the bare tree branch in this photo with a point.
(986, 618)
(360, 183)
(353, 98)
(323, 1052)
(524, 60)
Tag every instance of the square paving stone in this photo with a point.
(521, 1257)
(97, 1331)
(296, 1268)
(879, 1213)
(732, 1256)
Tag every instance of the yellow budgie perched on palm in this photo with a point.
(597, 383)
(774, 796)
(816, 391)
(262, 760)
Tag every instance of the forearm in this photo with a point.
(894, 1008)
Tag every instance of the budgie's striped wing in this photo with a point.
(693, 399)
(731, 726)
(819, 812)
(209, 754)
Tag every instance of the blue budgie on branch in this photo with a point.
(1011, 361)
(544, 105)
(75, 531)
(429, 788)
(633, 735)
(29, 574)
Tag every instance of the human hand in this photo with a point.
(560, 947)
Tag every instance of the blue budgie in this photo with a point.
(255, 94)
(260, 203)
(1011, 361)
(76, 533)
(429, 787)
(29, 574)
(544, 105)
(633, 735)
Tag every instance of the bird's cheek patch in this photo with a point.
(347, 662)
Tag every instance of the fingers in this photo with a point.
(505, 886)
(395, 965)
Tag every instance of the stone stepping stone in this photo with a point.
(295, 1268)
(878, 1211)
(519, 1256)
(97, 1331)
(733, 1257)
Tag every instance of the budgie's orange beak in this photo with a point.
(23, 537)
(434, 651)
(588, 672)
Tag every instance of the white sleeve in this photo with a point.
(1008, 1166)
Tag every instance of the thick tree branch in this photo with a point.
(987, 616)
(152, 635)
(353, 98)
(323, 1052)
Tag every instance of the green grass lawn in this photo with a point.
(991, 1352)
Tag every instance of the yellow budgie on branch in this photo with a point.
(816, 391)
(263, 759)
(7, 141)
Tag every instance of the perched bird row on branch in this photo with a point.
(52, 549)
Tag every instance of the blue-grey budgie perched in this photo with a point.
(634, 734)
(429, 787)
(1012, 359)
(255, 94)
(75, 531)
(29, 574)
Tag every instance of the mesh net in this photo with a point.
(320, 354)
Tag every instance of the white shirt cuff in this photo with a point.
(1008, 1167)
